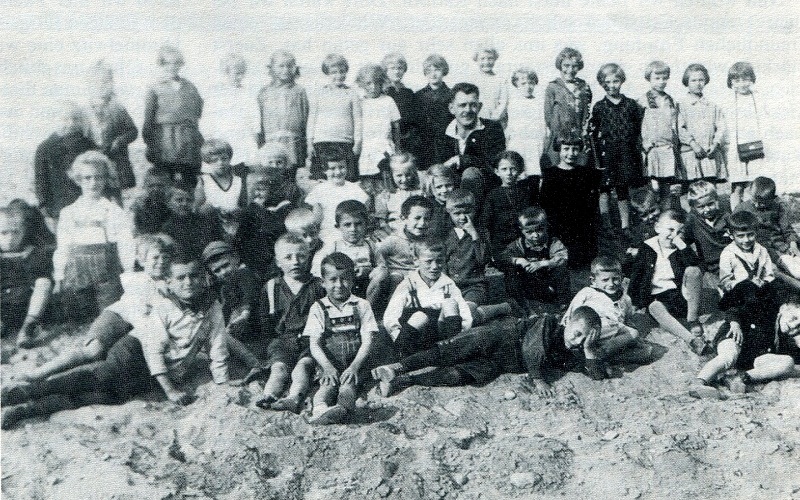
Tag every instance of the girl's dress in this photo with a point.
(284, 112)
(226, 200)
(379, 114)
(335, 119)
(564, 111)
(660, 136)
(170, 129)
(701, 120)
(615, 129)
(745, 115)
(526, 131)
(94, 244)
(230, 115)
(433, 118)
(569, 197)
(494, 96)
(387, 205)
(109, 121)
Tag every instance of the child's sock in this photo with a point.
(492, 311)
(441, 377)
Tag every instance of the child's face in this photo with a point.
(336, 172)
(658, 82)
(745, 240)
(185, 280)
(461, 216)
(353, 228)
(283, 69)
(91, 180)
(101, 85)
(667, 230)
(612, 84)
(534, 232)
(277, 161)
(569, 69)
(609, 282)
(741, 85)
(707, 206)
(12, 233)
(220, 165)
(292, 260)
(525, 85)
(764, 202)
(155, 263)
(649, 214)
(418, 221)
(180, 203)
(338, 283)
(404, 177)
(696, 82)
(337, 74)
(577, 328)
(223, 266)
(235, 76)
(569, 153)
(486, 62)
(372, 89)
(394, 72)
(430, 264)
(507, 171)
(442, 186)
(309, 233)
(171, 65)
(435, 75)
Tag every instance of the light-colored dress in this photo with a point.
(746, 116)
(526, 131)
(660, 136)
(703, 121)
(378, 115)
(494, 97)
(230, 114)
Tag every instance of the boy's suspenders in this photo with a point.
(415, 304)
(271, 284)
(332, 324)
(751, 271)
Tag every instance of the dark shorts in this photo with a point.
(477, 293)
(109, 328)
(287, 350)
(124, 373)
(674, 301)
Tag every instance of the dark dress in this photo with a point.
(563, 112)
(404, 99)
(569, 197)
(499, 215)
(433, 116)
(616, 130)
(54, 156)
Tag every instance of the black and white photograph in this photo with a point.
(400, 250)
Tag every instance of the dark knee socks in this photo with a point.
(442, 377)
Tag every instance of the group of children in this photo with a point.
(350, 244)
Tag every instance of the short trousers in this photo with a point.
(287, 350)
(674, 301)
(477, 293)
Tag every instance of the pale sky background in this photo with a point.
(48, 46)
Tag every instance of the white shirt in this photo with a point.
(141, 291)
(224, 199)
(613, 313)
(526, 131)
(231, 114)
(452, 131)
(378, 115)
(663, 275)
(733, 271)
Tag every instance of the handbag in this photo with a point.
(753, 150)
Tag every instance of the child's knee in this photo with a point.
(450, 308)
(279, 369)
(779, 365)
(418, 320)
(94, 349)
(693, 274)
(728, 353)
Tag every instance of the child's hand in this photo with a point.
(534, 265)
(736, 333)
(541, 388)
(329, 377)
(239, 317)
(699, 152)
(679, 243)
(57, 286)
(349, 376)
(633, 252)
(469, 228)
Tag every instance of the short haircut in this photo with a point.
(485, 48)
(371, 73)
(215, 148)
(673, 214)
(695, 68)
(464, 88)
(302, 217)
(99, 161)
(12, 212)
(568, 138)
(339, 262)
(460, 198)
(569, 53)
(513, 157)
(439, 171)
(658, 68)
(532, 215)
(274, 150)
(233, 61)
(183, 259)
(435, 61)
(526, 73)
(644, 198)
(332, 60)
(427, 245)
(145, 243)
(610, 69)
(700, 189)
(408, 162)
(282, 54)
(415, 201)
(353, 208)
(741, 70)
(763, 187)
(587, 314)
(742, 221)
(291, 239)
(394, 58)
(170, 50)
(605, 263)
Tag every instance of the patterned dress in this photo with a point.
(564, 111)
(615, 129)
(660, 136)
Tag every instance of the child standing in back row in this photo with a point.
(526, 132)
(493, 89)
(432, 103)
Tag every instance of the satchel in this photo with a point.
(750, 151)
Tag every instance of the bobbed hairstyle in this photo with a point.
(435, 61)
(610, 69)
(658, 68)
(394, 58)
(741, 70)
(282, 54)
(332, 60)
(524, 74)
(485, 48)
(695, 68)
(569, 53)
(99, 161)
(371, 73)
(513, 157)
(571, 138)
